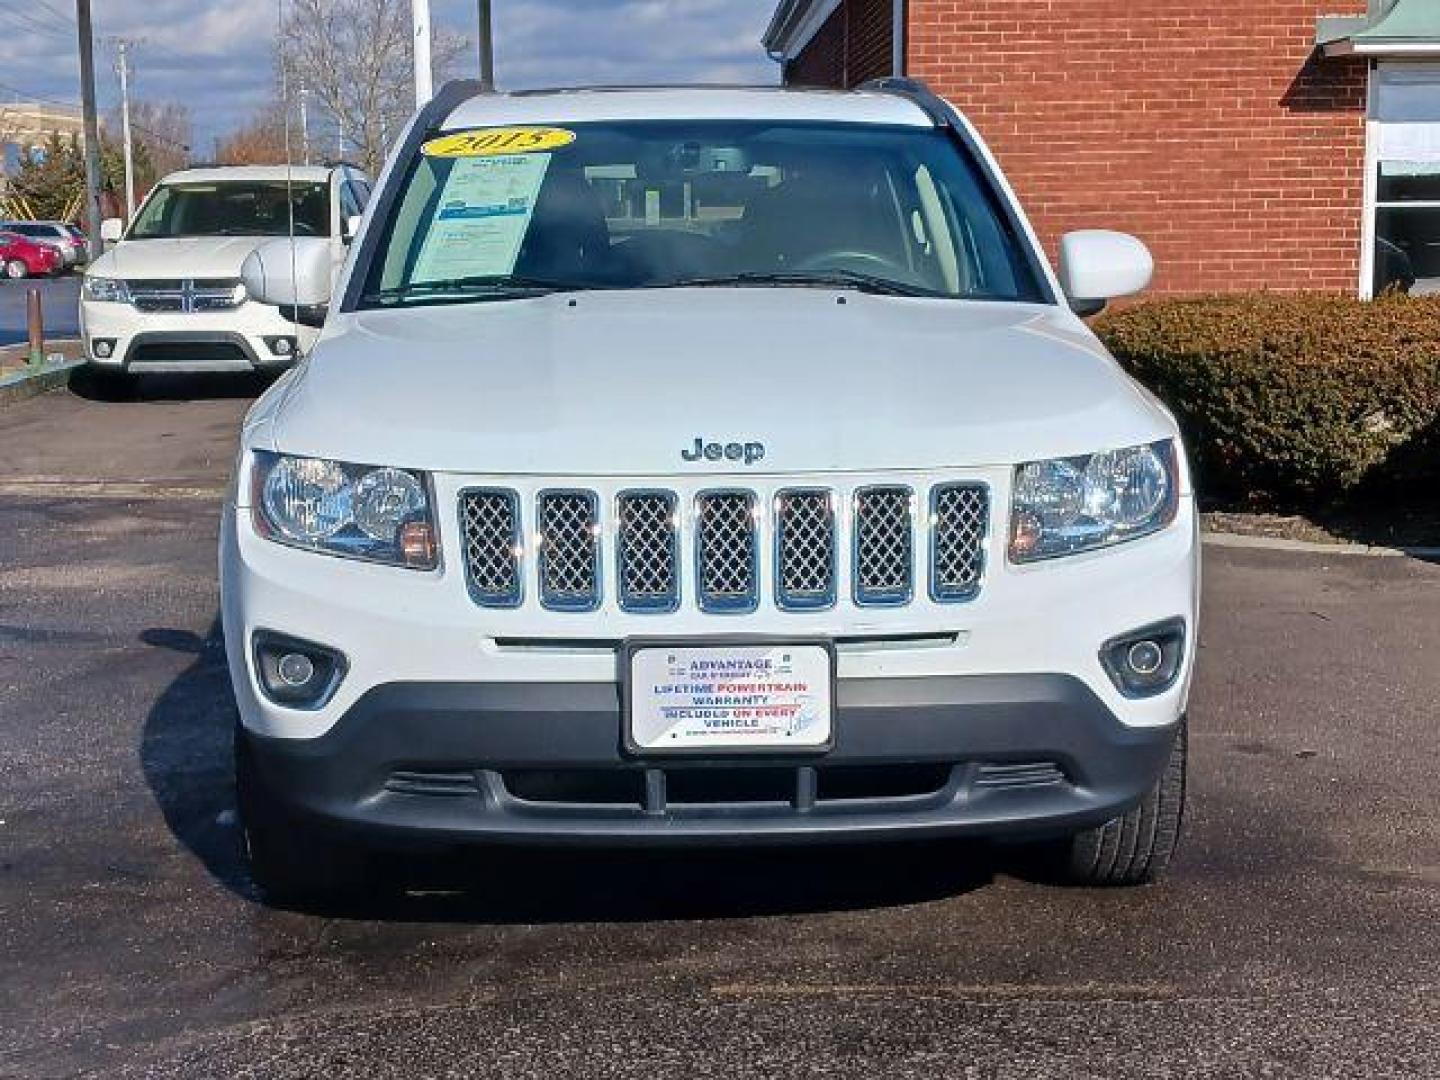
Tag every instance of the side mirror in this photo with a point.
(291, 274)
(111, 230)
(352, 227)
(1097, 265)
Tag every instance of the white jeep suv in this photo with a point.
(706, 466)
(168, 296)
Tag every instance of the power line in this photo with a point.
(64, 20)
(57, 26)
(27, 23)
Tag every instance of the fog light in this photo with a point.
(295, 669)
(297, 674)
(281, 346)
(1145, 657)
(104, 348)
(1147, 661)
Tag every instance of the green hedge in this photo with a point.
(1296, 399)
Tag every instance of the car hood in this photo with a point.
(621, 383)
(187, 257)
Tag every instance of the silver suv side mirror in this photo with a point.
(1097, 265)
(293, 275)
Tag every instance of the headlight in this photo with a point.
(355, 511)
(1067, 505)
(111, 290)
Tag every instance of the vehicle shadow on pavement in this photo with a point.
(186, 753)
(91, 386)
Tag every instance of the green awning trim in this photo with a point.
(1411, 28)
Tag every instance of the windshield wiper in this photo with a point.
(828, 279)
(503, 287)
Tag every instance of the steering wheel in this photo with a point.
(867, 262)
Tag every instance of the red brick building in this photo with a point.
(1276, 144)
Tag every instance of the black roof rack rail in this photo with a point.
(915, 91)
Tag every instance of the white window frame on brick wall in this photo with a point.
(1402, 124)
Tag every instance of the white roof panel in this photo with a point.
(220, 174)
(684, 103)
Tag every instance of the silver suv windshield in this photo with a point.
(234, 208)
(507, 212)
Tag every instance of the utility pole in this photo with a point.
(92, 128)
(123, 47)
(487, 48)
(424, 72)
(305, 121)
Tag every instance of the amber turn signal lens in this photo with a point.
(418, 545)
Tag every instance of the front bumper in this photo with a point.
(454, 722)
(428, 764)
(237, 340)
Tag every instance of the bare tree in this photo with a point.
(353, 59)
(165, 130)
(261, 141)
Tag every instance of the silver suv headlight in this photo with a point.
(103, 289)
(374, 513)
(1067, 505)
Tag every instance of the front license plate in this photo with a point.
(729, 698)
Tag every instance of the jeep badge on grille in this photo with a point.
(750, 453)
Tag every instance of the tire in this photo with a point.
(291, 864)
(16, 270)
(1135, 848)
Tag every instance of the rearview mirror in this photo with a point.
(1097, 265)
(291, 274)
(111, 230)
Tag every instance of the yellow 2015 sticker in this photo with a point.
(494, 142)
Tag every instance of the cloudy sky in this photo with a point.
(216, 55)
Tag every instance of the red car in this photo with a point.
(22, 257)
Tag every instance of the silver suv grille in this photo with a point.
(187, 295)
(808, 527)
(490, 525)
(648, 547)
(729, 554)
(569, 550)
(884, 545)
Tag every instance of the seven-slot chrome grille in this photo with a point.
(873, 545)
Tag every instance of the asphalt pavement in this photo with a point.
(60, 298)
(1298, 935)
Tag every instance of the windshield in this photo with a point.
(233, 208)
(630, 205)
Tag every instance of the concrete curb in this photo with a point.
(1276, 543)
(19, 385)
